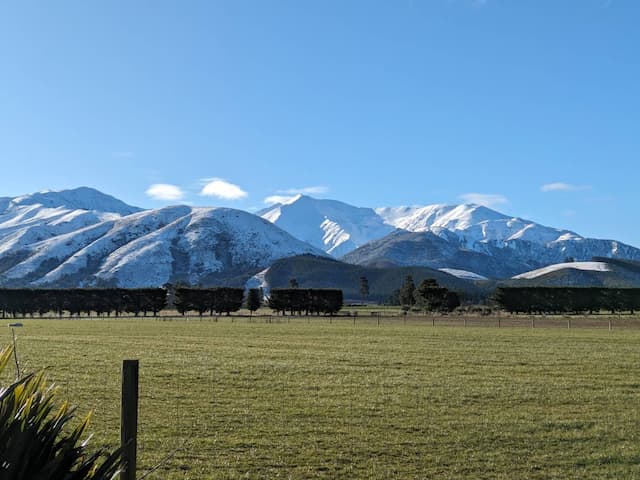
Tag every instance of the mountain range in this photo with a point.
(83, 237)
(470, 238)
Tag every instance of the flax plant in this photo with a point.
(36, 440)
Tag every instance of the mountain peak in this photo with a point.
(81, 198)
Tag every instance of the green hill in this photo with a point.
(319, 272)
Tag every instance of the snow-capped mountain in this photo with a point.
(335, 227)
(84, 237)
(465, 237)
(473, 224)
(32, 218)
(153, 247)
(584, 266)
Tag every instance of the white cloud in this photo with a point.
(217, 187)
(286, 195)
(273, 199)
(486, 199)
(562, 187)
(315, 190)
(165, 191)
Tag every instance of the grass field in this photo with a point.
(319, 400)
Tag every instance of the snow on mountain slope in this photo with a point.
(32, 218)
(153, 247)
(339, 228)
(82, 198)
(473, 224)
(505, 245)
(585, 266)
(332, 226)
(466, 275)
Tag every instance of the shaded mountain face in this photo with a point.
(322, 272)
(491, 259)
(473, 238)
(47, 243)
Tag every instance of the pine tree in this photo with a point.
(406, 292)
(364, 287)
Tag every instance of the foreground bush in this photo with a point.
(36, 441)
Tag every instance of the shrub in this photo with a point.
(36, 440)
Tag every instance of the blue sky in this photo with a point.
(530, 106)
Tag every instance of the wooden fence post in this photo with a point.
(129, 418)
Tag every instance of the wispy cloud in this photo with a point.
(286, 195)
(217, 187)
(562, 187)
(164, 191)
(486, 199)
(315, 190)
(273, 199)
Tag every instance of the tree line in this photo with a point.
(215, 299)
(309, 301)
(577, 300)
(77, 301)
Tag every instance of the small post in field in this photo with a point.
(533, 322)
(569, 323)
(610, 326)
(129, 419)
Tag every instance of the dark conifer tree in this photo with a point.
(406, 292)
(364, 286)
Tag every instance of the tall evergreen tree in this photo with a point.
(364, 286)
(406, 292)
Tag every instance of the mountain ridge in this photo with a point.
(84, 237)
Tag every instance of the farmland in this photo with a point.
(313, 399)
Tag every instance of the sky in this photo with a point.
(530, 107)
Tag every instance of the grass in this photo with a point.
(319, 400)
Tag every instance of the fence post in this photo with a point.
(129, 418)
(610, 326)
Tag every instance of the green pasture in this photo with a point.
(313, 399)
